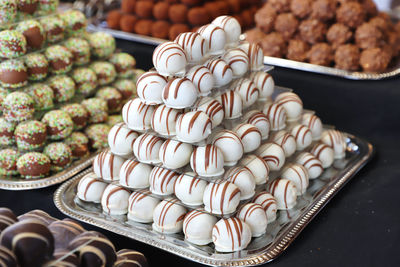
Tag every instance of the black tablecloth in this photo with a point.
(360, 226)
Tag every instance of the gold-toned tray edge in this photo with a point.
(278, 246)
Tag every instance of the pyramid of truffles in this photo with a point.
(37, 239)
(349, 35)
(166, 19)
(60, 89)
(209, 146)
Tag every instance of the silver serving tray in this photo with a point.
(280, 234)
(19, 183)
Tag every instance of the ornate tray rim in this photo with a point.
(276, 248)
(27, 184)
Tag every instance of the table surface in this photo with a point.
(360, 226)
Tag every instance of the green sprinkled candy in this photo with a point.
(34, 33)
(18, 106)
(78, 142)
(63, 87)
(78, 114)
(112, 96)
(114, 119)
(127, 87)
(75, 21)
(13, 73)
(85, 79)
(60, 59)
(97, 108)
(12, 44)
(42, 95)
(60, 155)
(46, 7)
(59, 124)
(105, 72)
(7, 132)
(8, 161)
(98, 135)
(124, 64)
(8, 11)
(80, 49)
(102, 44)
(3, 94)
(37, 65)
(54, 27)
(27, 7)
(30, 135)
(33, 165)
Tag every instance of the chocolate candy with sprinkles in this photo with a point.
(33, 165)
(97, 109)
(37, 66)
(60, 59)
(7, 132)
(46, 7)
(59, 124)
(130, 258)
(126, 87)
(80, 50)
(28, 6)
(7, 257)
(54, 28)
(18, 106)
(64, 232)
(13, 73)
(7, 218)
(85, 80)
(98, 135)
(78, 114)
(60, 155)
(124, 64)
(102, 44)
(113, 98)
(8, 11)
(8, 161)
(105, 72)
(30, 135)
(79, 144)
(12, 44)
(34, 33)
(42, 95)
(98, 252)
(30, 240)
(74, 20)
(114, 119)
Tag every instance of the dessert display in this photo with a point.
(215, 165)
(167, 19)
(348, 35)
(58, 85)
(37, 239)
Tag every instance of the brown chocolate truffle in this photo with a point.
(198, 16)
(380, 23)
(370, 8)
(351, 14)
(274, 45)
(160, 29)
(234, 6)
(368, 36)
(113, 19)
(323, 9)
(143, 27)
(128, 6)
(178, 13)
(127, 23)
(33, 32)
(320, 54)
(347, 57)
(247, 18)
(338, 34)
(213, 9)
(254, 35)
(301, 8)
(280, 6)
(265, 18)
(144, 9)
(286, 24)
(28, 6)
(160, 10)
(312, 31)
(223, 7)
(64, 231)
(33, 165)
(374, 60)
(297, 50)
(177, 29)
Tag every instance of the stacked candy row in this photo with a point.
(57, 243)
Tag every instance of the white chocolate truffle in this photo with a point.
(250, 136)
(284, 192)
(107, 166)
(273, 155)
(197, 227)
(193, 126)
(213, 109)
(336, 141)
(120, 140)
(215, 38)
(298, 174)
(324, 153)
(90, 188)
(179, 93)
(258, 167)
(255, 217)
(243, 178)
(311, 163)
(147, 147)
(174, 154)
(231, 235)
(276, 115)
(207, 161)
(135, 174)
(190, 189)
(137, 115)
(231, 26)
(141, 206)
(115, 200)
(286, 141)
(238, 60)
(164, 120)
(168, 216)
(268, 203)
(302, 135)
(169, 59)
(149, 87)
(194, 45)
(230, 145)
(255, 54)
(232, 104)
(221, 72)
(260, 120)
(264, 82)
(221, 197)
(202, 78)
(313, 123)
(162, 181)
(292, 105)
(247, 91)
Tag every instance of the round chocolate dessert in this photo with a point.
(79, 144)
(105, 72)
(7, 129)
(8, 161)
(30, 135)
(13, 73)
(126, 87)
(37, 66)
(102, 44)
(63, 87)
(8, 11)
(85, 80)
(78, 114)
(12, 44)
(28, 6)
(60, 59)
(18, 106)
(42, 96)
(59, 124)
(59, 154)
(80, 50)
(54, 28)
(34, 33)
(112, 96)
(98, 135)
(46, 7)
(33, 165)
(124, 64)
(97, 109)
(74, 20)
